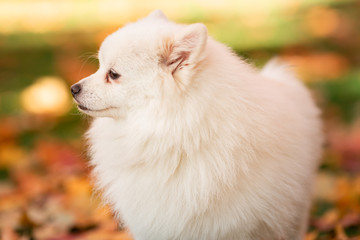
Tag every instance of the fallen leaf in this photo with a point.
(340, 233)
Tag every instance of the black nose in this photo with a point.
(75, 89)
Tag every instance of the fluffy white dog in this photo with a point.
(190, 142)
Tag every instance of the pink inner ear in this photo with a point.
(178, 62)
(182, 49)
(173, 54)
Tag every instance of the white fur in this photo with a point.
(203, 148)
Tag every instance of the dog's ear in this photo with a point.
(157, 14)
(185, 49)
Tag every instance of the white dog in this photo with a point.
(190, 142)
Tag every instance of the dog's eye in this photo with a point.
(113, 75)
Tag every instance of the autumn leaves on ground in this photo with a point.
(45, 185)
(47, 193)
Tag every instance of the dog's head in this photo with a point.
(144, 61)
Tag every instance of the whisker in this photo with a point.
(85, 58)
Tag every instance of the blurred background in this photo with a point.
(45, 46)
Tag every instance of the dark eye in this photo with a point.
(113, 75)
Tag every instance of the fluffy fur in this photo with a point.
(191, 142)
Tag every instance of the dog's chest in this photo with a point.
(144, 200)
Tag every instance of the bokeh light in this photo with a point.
(48, 95)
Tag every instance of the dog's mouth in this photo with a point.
(83, 108)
